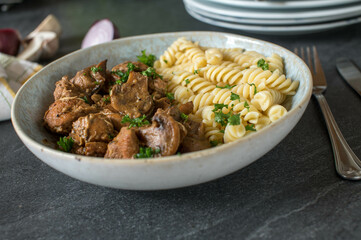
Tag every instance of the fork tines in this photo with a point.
(315, 66)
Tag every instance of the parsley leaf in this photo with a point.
(85, 99)
(226, 87)
(170, 96)
(246, 105)
(150, 72)
(165, 61)
(234, 119)
(221, 118)
(96, 69)
(65, 143)
(187, 81)
(214, 143)
(146, 152)
(221, 131)
(106, 99)
(123, 76)
(184, 116)
(218, 106)
(262, 64)
(235, 96)
(196, 71)
(250, 127)
(255, 87)
(147, 59)
(135, 122)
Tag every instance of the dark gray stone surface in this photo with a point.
(293, 192)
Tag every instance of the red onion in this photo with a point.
(9, 41)
(100, 32)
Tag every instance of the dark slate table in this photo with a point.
(293, 192)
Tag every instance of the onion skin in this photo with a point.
(101, 31)
(9, 41)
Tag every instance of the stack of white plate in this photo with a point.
(276, 17)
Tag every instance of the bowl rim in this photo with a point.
(166, 159)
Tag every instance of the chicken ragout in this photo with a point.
(122, 113)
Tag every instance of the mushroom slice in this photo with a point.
(124, 145)
(139, 67)
(132, 98)
(164, 133)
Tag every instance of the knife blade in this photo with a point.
(350, 73)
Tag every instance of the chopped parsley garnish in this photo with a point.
(85, 99)
(170, 96)
(235, 96)
(135, 122)
(84, 74)
(65, 143)
(234, 119)
(262, 64)
(146, 152)
(150, 72)
(218, 106)
(214, 143)
(224, 118)
(96, 69)
(221, 118)
(226, 87)
(184, 116)
(250, 127)
(147, 59)
(246, 105)
(110, 136)
(106, 99)
(165, 61)
(255, 87)
(221, 131)
(96, 83)
(196, 71)
(187, 81)
(123, 76)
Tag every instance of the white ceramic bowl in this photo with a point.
(36, 95)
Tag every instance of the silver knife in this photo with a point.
(350, 73)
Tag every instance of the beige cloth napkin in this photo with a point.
(13, 74)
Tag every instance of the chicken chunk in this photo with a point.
(91, 79)
(63, 112)
(124, 145)
(64, 88)
(92, 128)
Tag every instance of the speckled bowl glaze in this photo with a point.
(36, 95)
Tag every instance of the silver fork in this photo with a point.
(347, 164)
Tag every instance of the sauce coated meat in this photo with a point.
(122, 113)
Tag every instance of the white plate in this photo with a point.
(245, 13)
(282, 30)
(152, 173)
(244, 20)
(281, 5)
